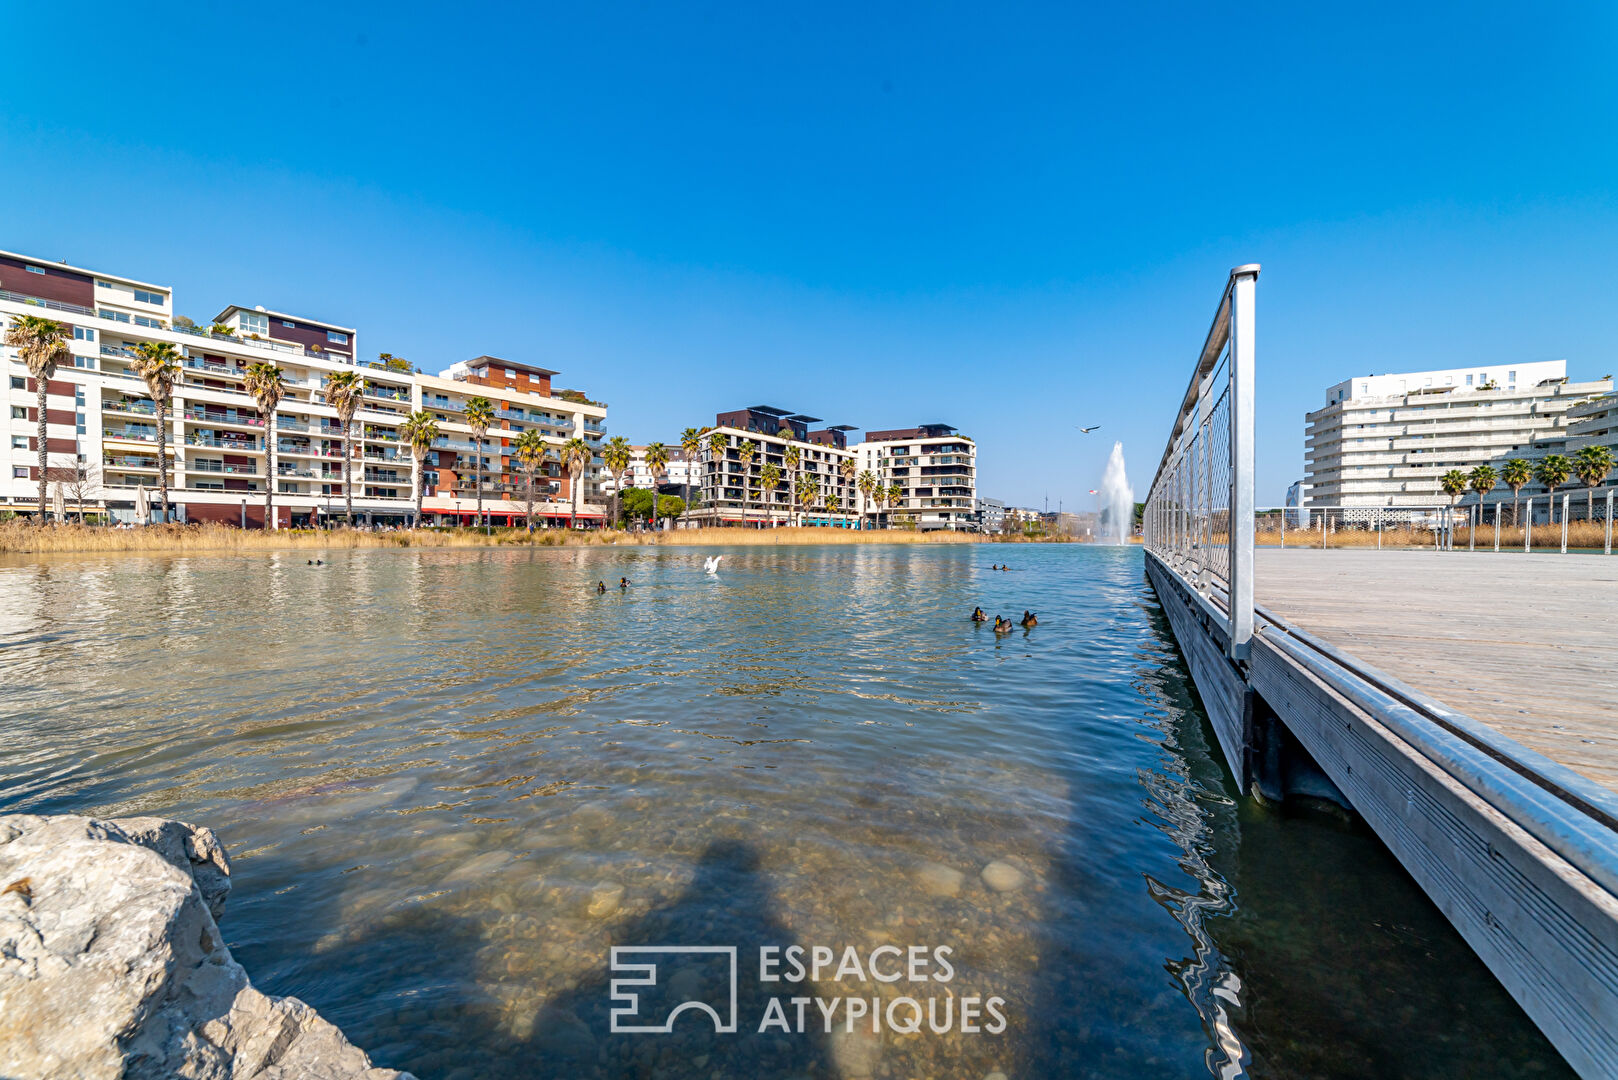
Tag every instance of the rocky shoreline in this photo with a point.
(112, 964)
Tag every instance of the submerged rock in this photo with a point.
(112, 964)
(1002, 877)
(939, 880)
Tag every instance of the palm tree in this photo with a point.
(847, 468)
(867, 485)
(1515, 474)
(420, 431)
(479, 415)
(792, 458)
(832, 502)
(344, 392)
(769, 479)
(691, 443)
(267, 384)
(576, 456)
(808, 489)
(1553, 471)
(532, 451)
(158, 364)
(896, 495)
(744, 454)
(657, 463)
(1482, 480)
(617, 455)
(718, 448)
(1591, 465)
(42, 345)
(1453, 483)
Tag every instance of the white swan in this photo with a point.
(712, 564)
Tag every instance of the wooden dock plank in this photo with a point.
(1525, 643)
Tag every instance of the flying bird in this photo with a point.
(1087, 430)
(712, 565)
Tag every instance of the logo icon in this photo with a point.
(699, 977)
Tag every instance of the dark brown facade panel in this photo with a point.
(55, 283)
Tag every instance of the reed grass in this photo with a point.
(1580, 534)
(18, 537)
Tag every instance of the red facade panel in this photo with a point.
(54, 284)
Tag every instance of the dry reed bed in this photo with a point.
(21, 538)
(1580, 534)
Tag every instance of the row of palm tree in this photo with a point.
(1591, 465)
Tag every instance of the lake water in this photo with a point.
(451, 781)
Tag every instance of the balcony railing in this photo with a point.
(137, 408)
(40, 301)
(236, 339)
(140, 434)
(221, 467)
(224, 444)
(226, 416)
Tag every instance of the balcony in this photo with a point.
(223, 416)
(260, 343)
(221, 467)
(282, 424)
(133, 406)
(39, 301)
(118, 350)
(129, 461)
(214, 367)
(221, 443)
(137, 434)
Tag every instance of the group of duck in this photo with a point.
(1003, 625)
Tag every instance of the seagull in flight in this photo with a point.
(1087, 430)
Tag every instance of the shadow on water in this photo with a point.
(458, 998)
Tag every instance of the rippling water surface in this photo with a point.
(450, 781)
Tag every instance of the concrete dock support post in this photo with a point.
(1242, 328)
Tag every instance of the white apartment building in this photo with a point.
(991, 515)
(679, 472)
(733, 493)
(102, 422)
(1384, 440)
(935, 469)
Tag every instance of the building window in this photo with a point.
(154, 324)
(1511, 376)
(254, 324)
(19, 412)
(19, 383)
(335, 338)
(149, 297)
(115, 316)
(19, 472)
(83, 333)
(19, 442)
(1469, 380)
(104, 284)
(288, 322)
(36, 269)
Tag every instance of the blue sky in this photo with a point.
(1014, 219)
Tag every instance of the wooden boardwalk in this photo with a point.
(1525, 643)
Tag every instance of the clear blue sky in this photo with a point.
(1010, 218)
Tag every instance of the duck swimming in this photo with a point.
(978, 615)
(1029, 619)
(601, 586)
(623, 583)
(1002, 626)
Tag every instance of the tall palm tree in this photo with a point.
(718, 447)
(832, 502)
(1553, 471)
(158, 364)
(895, 494)
(617, 456)
(1482, 480)
(532, 452)
(847, 468)
(769, 479)
(1453, 484)
(1591, 465)
(691, 443)
(744, 454)
(808, 489)
(1515, 474)
(867, 485)
(479, 415)
(792, 458)
(657, 463)
(268, 385)
(420, 431)
(576, 457)
(344, 392)
(42, 344)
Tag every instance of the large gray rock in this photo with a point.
(112, 964)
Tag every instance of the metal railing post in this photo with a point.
(1242, 458)
(1528, 527)
(1497, 526)
(1564, 523)
(1472, 527)
(1607, 543)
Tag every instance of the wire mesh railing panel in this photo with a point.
(1188, 512)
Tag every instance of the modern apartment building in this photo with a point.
(935, 468)
(733, 492)
(102, 422)
(679, 473)
(991, 515)
(1384, 440)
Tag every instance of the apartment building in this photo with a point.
(1593, 422)
(935, 468)
(680, 474)
(523, 399)
(733, 492)
(101, 422)
(1384, 440)
(991, 515)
